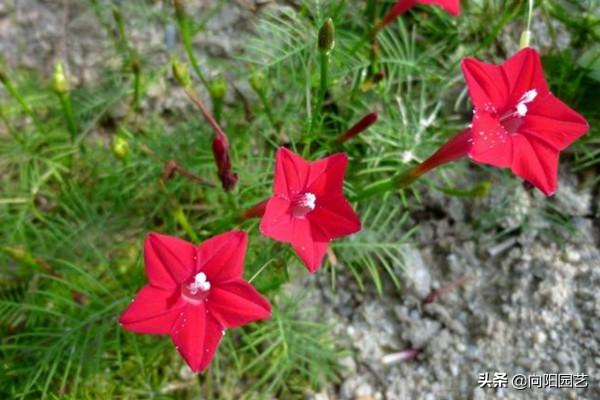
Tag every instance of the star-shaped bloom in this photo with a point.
(517, 122)
(308, 208)
(401, 6)
(194, 293)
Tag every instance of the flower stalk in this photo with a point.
(256, 211)
(525, 39)
(60, 86)
(136, 69)
(186, 39)
(453, 149)
(257, 81)
(220, 145)
(326, 43)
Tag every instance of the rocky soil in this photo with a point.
(522, 304)
(473, 303)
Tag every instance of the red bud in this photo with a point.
(220, 148)
(360, 126)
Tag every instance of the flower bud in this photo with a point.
(218, 88)
(360, 126)
(120, 147)
(59, 81)
(220, 148)
(180, 72)
(327, 37)
(257, 81)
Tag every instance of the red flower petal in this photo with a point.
(552, 121)
(152, 311)
(523, 72)
(326, 176)
(277, 219)
(486, 83)
(196, 336)
(291, 172)
(169, 260)
(450, 6)
(335, 217)
(310, 243)
(221, 257)
(490, 142)
(237, 303)
(401, 6)
(536, 162)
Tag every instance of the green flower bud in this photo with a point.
(59, 81)
(218, 88)
(181, 74)
(327, 37)
(120, 147)
(257, 81)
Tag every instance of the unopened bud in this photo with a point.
(59, 81)
(181, 74)
(257, 81)
(482, 189)
(220, 148)
(120, 147)
(327, 37)
(360, 126)
(218, 88)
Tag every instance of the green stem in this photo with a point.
(137, 83)
(526, 34)
(67, 106)
(12, 90)
(265, 103)
(324, 75)
(529, 15)
(183, 221)
(186, 39)
(324, 63)
(396, 182)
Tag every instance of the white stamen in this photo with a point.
(308, 200)
(527, 97)
(521, 109)
(200, 283)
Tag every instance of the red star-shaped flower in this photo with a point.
(517, 122)
(194, 294)
(401, 6)
(308, 207)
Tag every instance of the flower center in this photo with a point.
(196, 289)
(513, 119)
(303, 203)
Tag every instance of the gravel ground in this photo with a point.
(522, 304)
